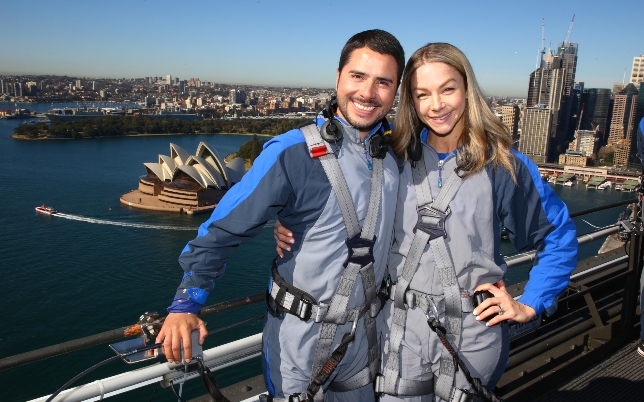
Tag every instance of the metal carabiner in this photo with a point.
(433, 307)
(354, 327)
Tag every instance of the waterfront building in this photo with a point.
(572, 158)
(183, 182)
(536, 132)
(637, 71)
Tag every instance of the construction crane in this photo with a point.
(565, 44)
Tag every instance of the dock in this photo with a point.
(595, 181)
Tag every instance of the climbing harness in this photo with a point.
(284, 297)
(429, 229)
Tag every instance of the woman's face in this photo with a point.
(439, 96)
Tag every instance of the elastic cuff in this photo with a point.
(180, 305)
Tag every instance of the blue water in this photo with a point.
(63, 279)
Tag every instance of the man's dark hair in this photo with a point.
(379, 41)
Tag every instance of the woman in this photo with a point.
(442, 255)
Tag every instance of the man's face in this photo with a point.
(366, 87)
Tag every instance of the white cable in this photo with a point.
(596, 227)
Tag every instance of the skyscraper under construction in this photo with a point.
(550, 104)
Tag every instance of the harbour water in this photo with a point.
(102, 264)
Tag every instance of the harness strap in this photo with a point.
(415, 298)
(360, 261)
(430, 228)
(295, 301)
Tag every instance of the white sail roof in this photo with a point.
(236, 169)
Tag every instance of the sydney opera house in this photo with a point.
(185, 183)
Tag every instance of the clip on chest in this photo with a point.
(432, 221)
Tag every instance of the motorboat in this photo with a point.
(46, 210)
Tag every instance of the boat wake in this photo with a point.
(116, 223)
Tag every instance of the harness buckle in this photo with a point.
(360, 251)
(379, 384)
(305, 310)
(432, 221)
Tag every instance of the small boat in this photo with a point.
(46, 210)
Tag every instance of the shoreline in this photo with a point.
(24, 138)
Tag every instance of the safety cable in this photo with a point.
(476, 383)
(70, 382)
(175, 392)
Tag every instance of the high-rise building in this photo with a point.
(536, 133)
(623, 119)
(510, 117)
(2, 90)
(94, 86)
(623, 127)
(17, 89)
(584, 142)
(565, 123)
(79, 84)
(237, 96)
(637, 71)
(596, 102)
(168, 79)
(544, 102)
(618, 87)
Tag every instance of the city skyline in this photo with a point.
(297, 44)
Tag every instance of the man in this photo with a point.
(323, 294)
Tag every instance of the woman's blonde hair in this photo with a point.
(484, 139)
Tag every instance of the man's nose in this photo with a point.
(367, 90)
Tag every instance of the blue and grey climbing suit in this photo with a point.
(360, 262)
(447, 246)
(430, 229)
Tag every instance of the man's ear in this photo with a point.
(337, 79)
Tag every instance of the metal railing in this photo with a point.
(247, 348)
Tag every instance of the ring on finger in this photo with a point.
(500, 310)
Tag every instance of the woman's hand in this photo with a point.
(503, 304)
(283, 237)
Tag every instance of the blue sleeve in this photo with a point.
(240, 215)
(536, 218)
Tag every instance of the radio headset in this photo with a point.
(415, 150)
(332, 133)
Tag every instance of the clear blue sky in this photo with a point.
(297, 43)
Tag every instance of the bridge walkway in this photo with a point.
(619, 377)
